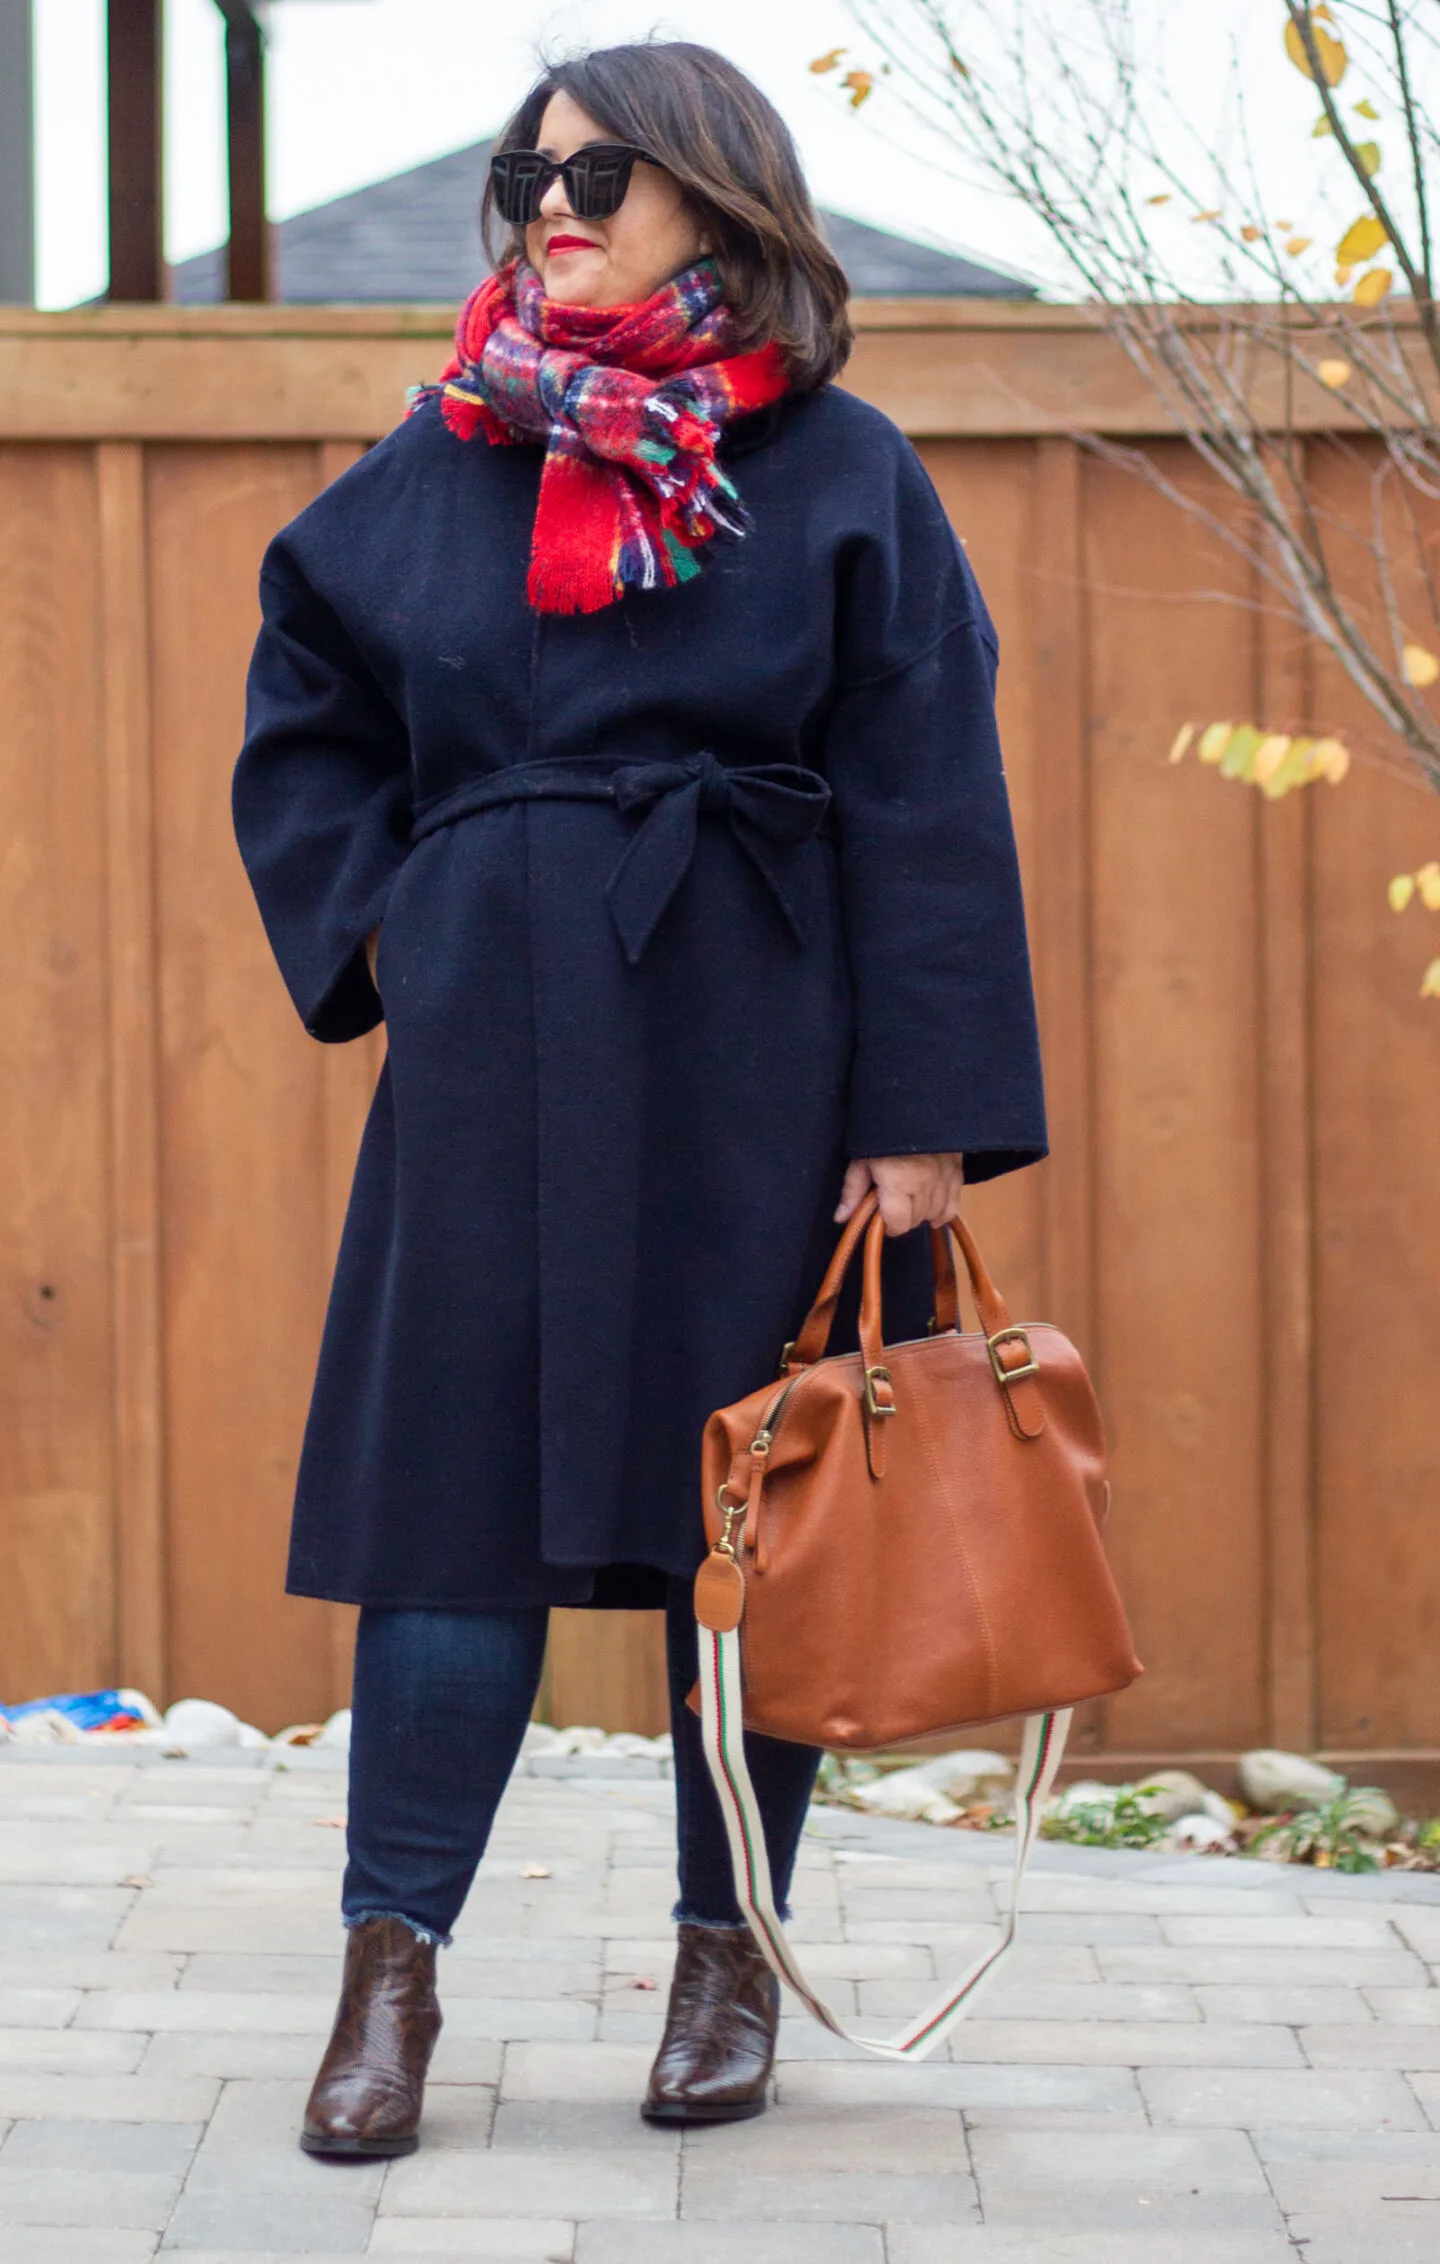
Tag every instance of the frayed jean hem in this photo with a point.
(421, 1933)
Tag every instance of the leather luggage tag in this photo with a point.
(719, 1593)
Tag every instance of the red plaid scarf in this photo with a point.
(630, 402)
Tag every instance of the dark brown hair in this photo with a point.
(733, 155)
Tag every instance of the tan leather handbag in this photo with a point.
(905, 1540)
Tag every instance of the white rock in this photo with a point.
(630, 1745)
(251, 1739)
(969, 1774)
(581, 1740)
(1199, 1832)
(336, 1733)
(540, 1738)
(197, 1721)
(1215, 1806)
(139, 1704)
(1172, 1793)
(49, 1728)
(907, 1793)
(1273, 1780)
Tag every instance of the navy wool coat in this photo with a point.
(681, 904)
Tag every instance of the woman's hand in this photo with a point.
(372, 948)
(913, 1190)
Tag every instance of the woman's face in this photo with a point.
(616, 262)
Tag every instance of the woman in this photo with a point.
(623, 723)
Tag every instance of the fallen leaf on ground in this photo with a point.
(330, 1823)
(534, 1871)
(1333, 373)
(136, 1879)
(645, 1982)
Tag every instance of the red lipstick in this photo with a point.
(570, 244)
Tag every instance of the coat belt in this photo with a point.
(773, 810)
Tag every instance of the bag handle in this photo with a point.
(721, 1710)
(1012, 1356)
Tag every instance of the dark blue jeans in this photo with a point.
(441, 1703)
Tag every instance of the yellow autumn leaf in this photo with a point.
(1269, 755)
(1365, 109)
(1333, 373)
(1333, 58)
(1213, 213)
(1318, 131)
(1421, 667)
(827, 62)
(1427, 880)
(1343, 275)
(1361, 240)
(1240, 751)
(1372, 287)
(860, 86)
(1250, 233)
(1181, 741)
(1430, 986)
(1400, 891)
(1331, 760)
(1213, 740)
(1163, 198)
(1282, 225)
(1368, 154)
(1299, 244)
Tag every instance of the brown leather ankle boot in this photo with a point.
(715, 2057)
(367, 2096)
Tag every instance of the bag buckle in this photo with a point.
(1029, 1366)
(875, 1406)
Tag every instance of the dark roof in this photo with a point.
(416, 237)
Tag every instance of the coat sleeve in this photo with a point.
(322, 801)
(947, 1053)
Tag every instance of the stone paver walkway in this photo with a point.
(1194, 2063)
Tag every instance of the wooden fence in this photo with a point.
(1241, 1223)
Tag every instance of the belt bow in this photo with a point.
(773, 808)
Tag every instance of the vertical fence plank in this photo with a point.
(137, 1390)
(1060, 904)
(349, 1074)
(1286, 1096)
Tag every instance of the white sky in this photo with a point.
(363, 88)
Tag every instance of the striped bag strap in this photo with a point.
(722, 1730)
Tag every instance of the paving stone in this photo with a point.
(934, 2083)
(478, 2240)
(115, 2199)
(1247, 1931)
(1391, 2045)
(38, 2008)
(100, 2098)
(458, 2059)
(36, 2244)
(1406, 2236)
(1092, 1928)
(1286, 2144)
(69, 2051)
(1126, 2043)
(1353, 2189)
(1427, 2090)
(90, 1969)
(592, 2125)
(57, 1855)
(274, 2012)
(564, 2182)
(1293, 2007)
(60, 1918)
(1414, 2008)
(1006, 2244)
(1265, 1968)
(1322, 2098)
(839, 2136)
(101, 2146)
(739, 2242)
(1128, 2181)
(268, 1971)
(1421, 1929)
(836, 2196)
(1106, 1896)
(575, 2071)
(1088, 2000)
(251, 2187)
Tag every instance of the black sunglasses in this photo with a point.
(595, 178)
